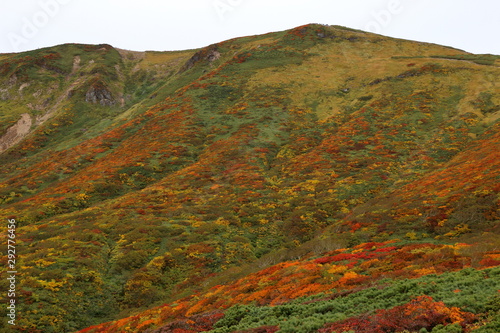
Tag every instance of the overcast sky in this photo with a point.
(165, 25)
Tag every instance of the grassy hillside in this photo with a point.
(260, 184)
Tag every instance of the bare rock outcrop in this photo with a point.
(99, 93)
(209, 54)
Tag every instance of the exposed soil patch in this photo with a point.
(16, 133)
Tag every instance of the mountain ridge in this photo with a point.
(154, 175)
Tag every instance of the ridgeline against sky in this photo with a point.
(315, 179)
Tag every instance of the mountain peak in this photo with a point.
(294, 170)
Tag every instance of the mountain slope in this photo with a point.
(148, 177)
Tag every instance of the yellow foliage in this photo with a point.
(263, 221)
(337, 269)
(51, 285)
(51, 320)
(194, 254)
(43, 263)
(344, 210)
(157, 262)
(82, 197)
(426, 271)
(442, 222)
(197, 224)
(412, 235)
(121, 240)
(348, 276)
(458, 230)
(222, 221)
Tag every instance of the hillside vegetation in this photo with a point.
(319, 179)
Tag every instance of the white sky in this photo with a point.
(165, 25)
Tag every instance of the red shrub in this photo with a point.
(422, 312)
(489, 262)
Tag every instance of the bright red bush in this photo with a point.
(422, 312)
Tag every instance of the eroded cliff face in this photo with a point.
(16, 133)
(99, 93)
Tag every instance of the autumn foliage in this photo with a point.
(182, 191)
(422, 312)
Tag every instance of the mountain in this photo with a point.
(315, 179)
